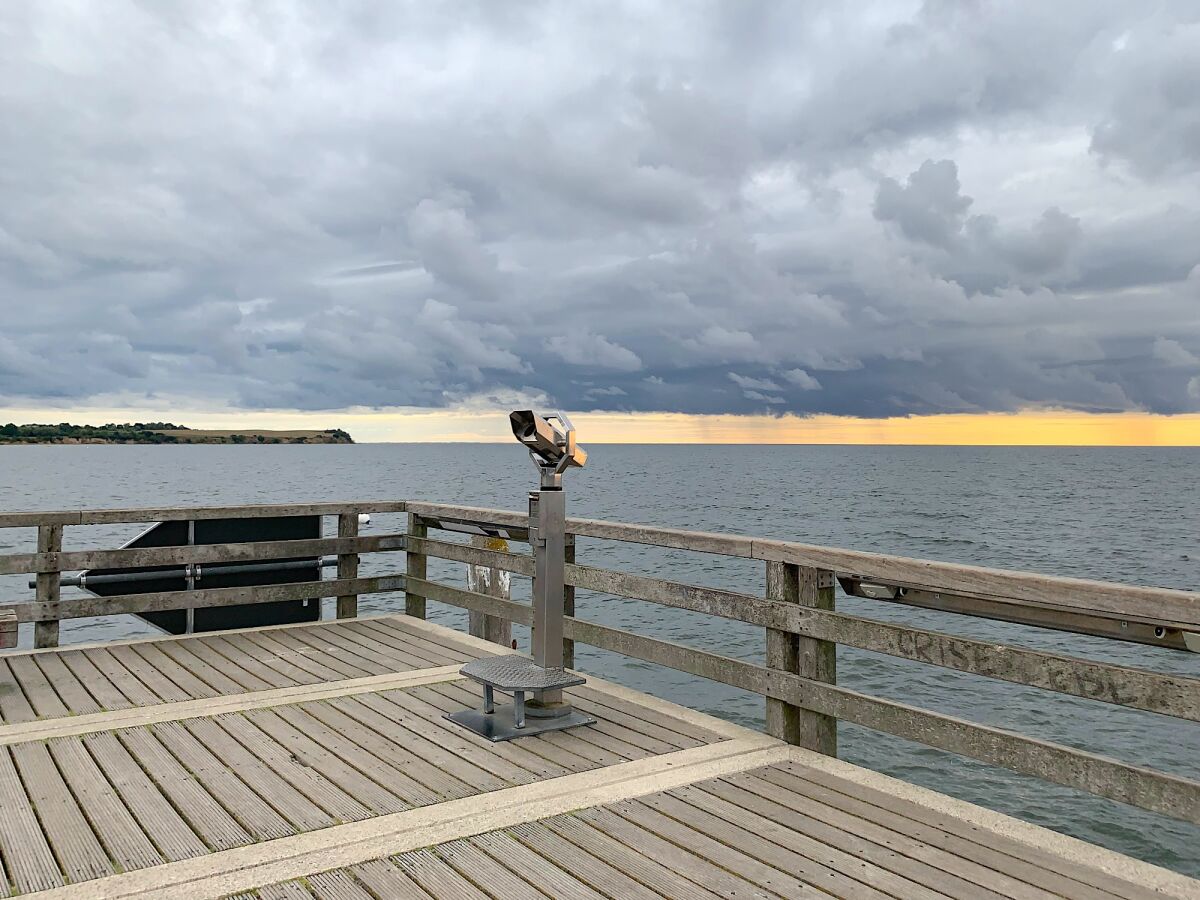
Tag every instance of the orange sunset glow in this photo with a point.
(1029, 428)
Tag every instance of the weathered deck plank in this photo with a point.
(639, 865)
(470, 861)
(264, 765)
(284, 649)
(513, 765)
(284, 798)
(334, 658)
(192, 686)
(75, 845)
(28, 859)
(436, 878)
(681, 862)
(112, 821)
(246, 673)
(385, 880)
(388, 739)
(108, 695)
(592, 870)
(403, 772)
(156, 815)
(829, 860)
(288, 890)
(75, 696)
(36, 687)
(158, 683)
(336, 642)
(231, 785)
(234, 653)
(390, 633)
(222, 680)
(140, 672)
(967, 841)
(320, 788)
(890, 849)
(210, 820)
(985, 865)
(137, 693)
(14, 705)
(337, 886)
(722, 849)
(544, 875)
(354, 772)
(308, 765)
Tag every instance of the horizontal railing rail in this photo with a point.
(1018, 592)
(69, 561)
(186, 513)
(797, 612)
(162, 601)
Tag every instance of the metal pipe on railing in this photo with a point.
(198, 571)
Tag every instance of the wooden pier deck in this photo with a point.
(314, 761)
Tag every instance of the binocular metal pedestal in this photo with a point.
(519, 676)
(552, 449)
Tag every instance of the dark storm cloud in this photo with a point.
(863, 209)
(928, 207)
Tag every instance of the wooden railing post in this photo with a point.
(347, 566)
(45, 634)
(569, 603)
(414, 604)
(809, 657)
(495, 583)
(8, 629)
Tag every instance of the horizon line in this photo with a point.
(1022, 428)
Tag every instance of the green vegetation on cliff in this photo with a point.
(160, 433)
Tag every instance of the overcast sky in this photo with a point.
(858, 209)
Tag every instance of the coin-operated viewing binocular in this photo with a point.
(550, 439)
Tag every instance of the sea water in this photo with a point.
(1127, 515)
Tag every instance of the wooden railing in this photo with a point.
(802, 629)
(49, 562)
(802, 626)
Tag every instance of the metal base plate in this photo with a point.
(499, 725)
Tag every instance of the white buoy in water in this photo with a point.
(364, 520)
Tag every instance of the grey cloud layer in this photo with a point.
(724, 207)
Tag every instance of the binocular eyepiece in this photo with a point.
(550, 438)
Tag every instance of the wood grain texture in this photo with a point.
(377, 791)
(207, 597)
(28, 860)
(8, 629)
(200, 553)
(783, 653)
(806, 656)
(1174, 695)
(347, 565)
(1138, 786)
(414, 601)
(49, 580)
(1173, 607)
(495, 582)
(184, 513)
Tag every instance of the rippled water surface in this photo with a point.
(1129, 515)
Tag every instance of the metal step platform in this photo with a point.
(517, 675)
